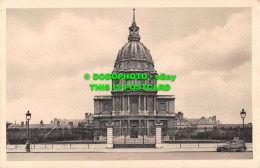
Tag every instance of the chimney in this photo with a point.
(22, 124)
(41, 123)
(58, 123)
(71, 124)
(86, 115)
(214, 118)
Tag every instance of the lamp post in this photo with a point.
(243, 116)
(28, 117)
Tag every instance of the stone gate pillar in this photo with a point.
(109, 125)
(158, 134)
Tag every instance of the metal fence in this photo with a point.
(134, 135)
(57, 147)
(54, 146)
(48, 135)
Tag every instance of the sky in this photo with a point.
(49, 51)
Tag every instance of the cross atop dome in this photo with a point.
(133, 30)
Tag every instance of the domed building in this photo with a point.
(134, 111)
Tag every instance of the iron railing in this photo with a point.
(134, 135)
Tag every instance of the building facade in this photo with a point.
(132, 109)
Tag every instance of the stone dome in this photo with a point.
(134, 50)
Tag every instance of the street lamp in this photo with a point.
(243, 116)
(28, 117)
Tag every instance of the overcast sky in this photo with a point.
(49, 50)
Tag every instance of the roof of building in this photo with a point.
(232, 125)
(204, 121)
(193, 120)
(200, 121)
(65, 123)
(165, 97)
(75, 121)
(32, 126)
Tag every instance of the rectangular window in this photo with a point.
(162, 106)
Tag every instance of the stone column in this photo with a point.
(110, 125)
(148, 127)
(120, 105)
(128, 104)
(154, 107)
(140, 128)
(139, 105)
(128, 127)
(158, 134)
(113, 111)
(123, 104)
(167, 107)
(120, 127)
(145, 104)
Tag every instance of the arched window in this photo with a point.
(150, 81)
(138, 65)
(138, 81)
(129, 65)
(150, 67)
(134, 65)
(116, 81)
(128, 81)
(142, 65)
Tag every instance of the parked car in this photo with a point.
(234, 145)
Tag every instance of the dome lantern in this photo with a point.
(133, 30)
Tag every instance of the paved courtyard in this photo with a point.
(202, 147)
(129, 156)
(56, 152)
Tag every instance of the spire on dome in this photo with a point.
(133, 17)
(133, 30)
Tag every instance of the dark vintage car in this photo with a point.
(234, 145)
